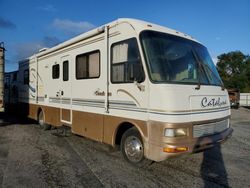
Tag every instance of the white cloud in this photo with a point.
(50, 41)
(217, 38)
(25, 50)
(71, 27)
(6, 24)
(47, 8)
(215, 60)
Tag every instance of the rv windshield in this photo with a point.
(178, 60)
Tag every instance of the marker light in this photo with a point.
(175, 132)
(175, 150)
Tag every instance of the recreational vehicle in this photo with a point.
(151, 90)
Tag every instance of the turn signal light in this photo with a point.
(175, 150)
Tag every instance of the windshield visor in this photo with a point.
(174, 59)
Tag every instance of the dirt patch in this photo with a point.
(30, 157)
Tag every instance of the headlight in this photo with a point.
(175, 132)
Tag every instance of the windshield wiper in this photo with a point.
(201, 67)
(221, 84)
(199, 81)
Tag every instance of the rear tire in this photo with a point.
(133, 149)
(42, 123)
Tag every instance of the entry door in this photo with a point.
(65, 91)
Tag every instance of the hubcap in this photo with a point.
(133, 149)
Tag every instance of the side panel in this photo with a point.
(48, 90)
(127, 103)
(26, 93)
(88, 124)
(88, 96)
(112, 124)
(51, 114)
(65, 91)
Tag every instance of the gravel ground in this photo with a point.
(30, 157)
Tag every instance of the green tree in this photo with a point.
(234, 69)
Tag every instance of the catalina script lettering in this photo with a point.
(205, 102)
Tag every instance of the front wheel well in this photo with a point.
(38, 112)
(121, 130)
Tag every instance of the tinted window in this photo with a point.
(55, 71)
(88, 65)
(65, 70)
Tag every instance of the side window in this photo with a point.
(26, 77)
(126, 66)
(88, 65)
(65, 70)
(55, 71)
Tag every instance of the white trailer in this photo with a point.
(245, 99)
(150, 89)
(11, 91)
(2, 49)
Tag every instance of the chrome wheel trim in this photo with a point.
(134, 149)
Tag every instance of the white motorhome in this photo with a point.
(150, 89)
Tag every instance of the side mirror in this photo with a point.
(139, 73)
(140, 86)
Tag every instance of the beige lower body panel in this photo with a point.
(51, 114)
(99, 127)
(103, 128)
(66, 115)
(89, 125)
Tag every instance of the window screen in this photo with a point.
(126, 66)
(55, 71)
(65, 70)
(88, 65)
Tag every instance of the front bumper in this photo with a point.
(154, 149)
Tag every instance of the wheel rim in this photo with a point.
(134, 149)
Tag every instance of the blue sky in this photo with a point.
(28, 25)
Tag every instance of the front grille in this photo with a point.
(210, 128)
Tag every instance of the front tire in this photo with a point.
(42, 123)
(132, 148)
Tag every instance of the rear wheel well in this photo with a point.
(121, 130)
(38, 112)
